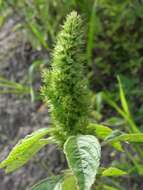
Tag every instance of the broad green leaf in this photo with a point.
(123, 98)
(103, 132)
(24, 150)
(51, 183)
(112, 171)
(60, 182)
(83, 155)
(132, 137)
(69, 183)
(114, 134)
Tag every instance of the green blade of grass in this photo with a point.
(123, 97)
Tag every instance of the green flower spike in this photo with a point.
(65, 85)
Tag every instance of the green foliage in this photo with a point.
(7, 86)
(122, 111)
(132, 137)
(69, 183)
(58, 182)
(83, 154)
(113, 36)
(65, 87)
(51, 183)
(66, 90)
(101, 131)
(107, 187)
(123, 98)
(112, 171)
(24, 150)
(121, 28)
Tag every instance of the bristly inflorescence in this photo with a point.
(65, 86)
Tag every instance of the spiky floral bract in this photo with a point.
(65, 85)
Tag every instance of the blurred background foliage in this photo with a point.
(114, 46)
